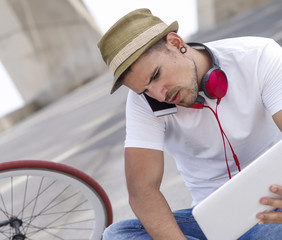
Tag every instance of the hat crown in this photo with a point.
(124, 31)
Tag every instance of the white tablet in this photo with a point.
(231, 210)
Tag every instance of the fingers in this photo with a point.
(276, 189)
(274, 202)
(272, 217)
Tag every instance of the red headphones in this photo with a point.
(214, 85)
(214, 82)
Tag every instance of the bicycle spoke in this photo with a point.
(53, 200)
(5, 232)
(42, 212)
(12, 202)
(45, 208)
(35, 203)
(4, 212)
(57, 237)
(36, 197)
(61, 226)
(68, 212)
(56, 213)
(25, 195)
(55, 205)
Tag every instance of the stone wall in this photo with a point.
(48, 47)
(213, 12)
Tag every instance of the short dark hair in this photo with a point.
(158, 46)
(122, 76)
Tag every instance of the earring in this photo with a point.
(183, 49)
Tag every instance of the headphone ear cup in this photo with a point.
(214, 83)
(204, 82)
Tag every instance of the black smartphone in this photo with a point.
(160, 108)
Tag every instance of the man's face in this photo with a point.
(168, 76)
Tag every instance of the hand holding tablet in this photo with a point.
(272, 217)
(245, 200)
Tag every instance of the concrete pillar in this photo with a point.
(48, 47)
(206, 14)
(213, 12)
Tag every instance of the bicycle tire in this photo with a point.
(85, 218)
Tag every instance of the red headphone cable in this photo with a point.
(224, 135)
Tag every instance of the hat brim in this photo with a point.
(129, 61)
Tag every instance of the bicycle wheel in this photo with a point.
(46, 200)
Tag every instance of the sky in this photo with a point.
(106, 13)
(10, 99)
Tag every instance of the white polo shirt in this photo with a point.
(254, 70)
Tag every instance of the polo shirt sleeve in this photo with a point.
(143, 129)
(270, 75)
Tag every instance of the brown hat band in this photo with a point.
(136, 44)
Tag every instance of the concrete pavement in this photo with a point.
(86, 130)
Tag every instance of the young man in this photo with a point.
(225, 91)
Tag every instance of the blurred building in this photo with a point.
(50, 48)
(214, 12)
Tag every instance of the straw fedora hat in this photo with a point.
(128, 38)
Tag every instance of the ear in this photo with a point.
(174, 40)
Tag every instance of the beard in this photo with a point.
(189, 92)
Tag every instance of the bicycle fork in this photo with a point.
(14, 223)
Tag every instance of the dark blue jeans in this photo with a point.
(133, 229)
